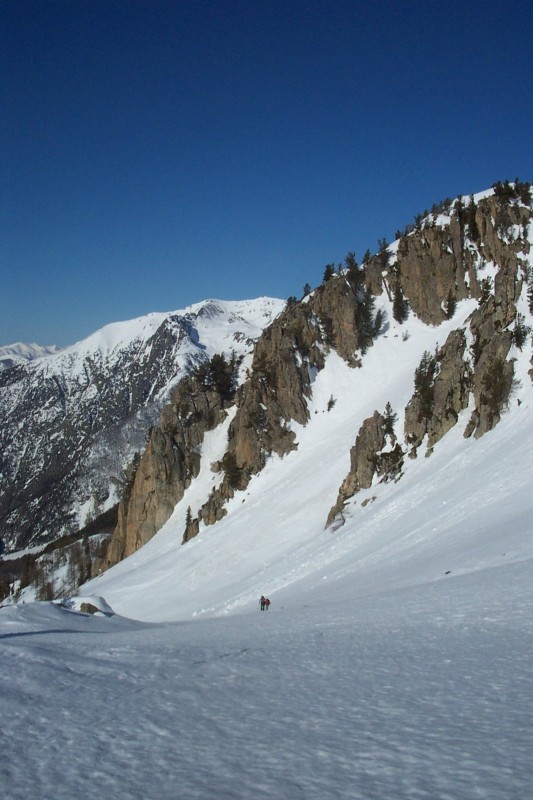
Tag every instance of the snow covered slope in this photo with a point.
(466, 507)
(394, 662)
(71, 421)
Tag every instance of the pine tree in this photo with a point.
(530, 293)
(521, 331)
(379, 321)
(496, 386)
(425, 384)
(486, 290)
(232, 471)
(329, 272)
(354, 274)
(400, 310)
(471, 220)
(451, 305)
(389, 420)
(383, 254)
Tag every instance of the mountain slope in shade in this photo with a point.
(71, 421)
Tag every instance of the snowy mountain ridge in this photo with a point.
(19, 353)
(72, 420)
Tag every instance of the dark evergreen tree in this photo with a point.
(425, 384)
(451, 305)
(486, 290)
(471, 220)
(400, 309)
(496, 386)
(383, 253)
(220, 375)
(366, 320)
(307, 290)
(390, 420)
(521, 331)
(530, 292)
(353, 273)
(232, 472)
(379, 321)
(329, 272)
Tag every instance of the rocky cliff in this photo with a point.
(480, 251)
(469, 249)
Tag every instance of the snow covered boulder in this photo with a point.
(90, 604)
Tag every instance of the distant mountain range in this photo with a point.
(19, 353)
(71, 420)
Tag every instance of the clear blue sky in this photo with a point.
(156, 152)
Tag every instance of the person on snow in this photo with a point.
(262, 602)
(267, 603)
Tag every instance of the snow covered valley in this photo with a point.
(395, 660)
(422, 692)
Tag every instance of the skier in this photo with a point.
(267, 603)
(262, 602)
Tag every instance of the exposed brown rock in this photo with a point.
(169, 463)
(376, 452)
(449, 393)
(430, 266)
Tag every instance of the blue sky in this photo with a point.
(158, 153)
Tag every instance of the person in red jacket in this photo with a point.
(267, 603)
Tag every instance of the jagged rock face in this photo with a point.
(437, 262)
(430, 267)
(433, 264)
(491, 386)
(376, 452)
(277, 388)
(286, 356)
(449, 394)
(167, 466)
(70, 422)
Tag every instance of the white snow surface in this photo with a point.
(394, 662)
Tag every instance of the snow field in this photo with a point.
(422, 692)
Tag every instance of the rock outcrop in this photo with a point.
(442, 387)
(170, 461)
(437, 265)
(376, 453)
